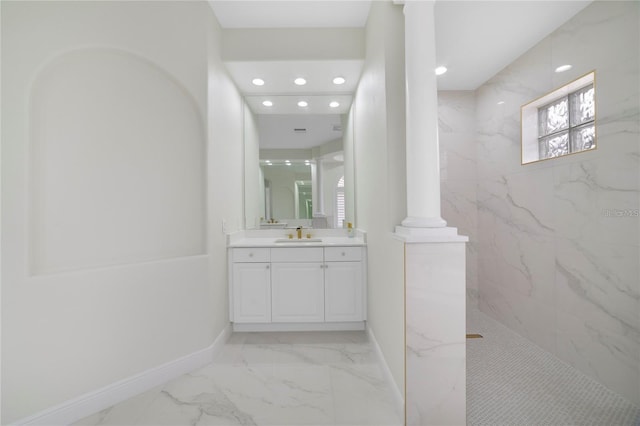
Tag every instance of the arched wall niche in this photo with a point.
(117, 163)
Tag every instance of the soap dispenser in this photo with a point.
(350, 231)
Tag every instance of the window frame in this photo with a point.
(531, 136)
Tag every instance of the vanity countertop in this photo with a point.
(271, 242)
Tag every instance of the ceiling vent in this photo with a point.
(300, 130)
(337, 128)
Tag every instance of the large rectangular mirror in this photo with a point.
(295, 171)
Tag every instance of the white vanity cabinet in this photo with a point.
(251, 285)
(297, 284)
(343, 289)
(297, 288)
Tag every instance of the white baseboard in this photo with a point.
(93, 402)
(398, 398)
(296, 326)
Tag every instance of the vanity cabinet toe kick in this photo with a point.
(301, 288)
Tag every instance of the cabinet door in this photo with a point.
(297, 292)
(343, 291)
(251, 292)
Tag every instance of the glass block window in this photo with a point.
(566, 125)
(561, 122)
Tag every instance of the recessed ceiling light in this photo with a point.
(563, 68)
(339, 80)
(300, 81)
(267, 103)
(441, 70)
(334, 104)
(500, 102)
(303, 104)
(258, 82)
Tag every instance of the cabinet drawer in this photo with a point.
(245, 255)
(342, 254)
(297, 254)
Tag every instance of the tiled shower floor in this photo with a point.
(511, 381)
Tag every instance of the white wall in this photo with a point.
(225, 160)
(552, 265)
(378, 139)
(81, 103)
(106, 195)
(253, 178)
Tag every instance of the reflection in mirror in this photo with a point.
(287, 187)
(287, 190)
(302, 193)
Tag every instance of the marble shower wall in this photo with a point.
(557, 241)
(458, 174)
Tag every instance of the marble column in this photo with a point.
(435, 357)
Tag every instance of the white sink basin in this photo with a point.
(301, 240)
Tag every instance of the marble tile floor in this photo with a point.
(293, 378)
(511, 381)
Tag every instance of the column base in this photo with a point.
(445, 234)
(424, 222)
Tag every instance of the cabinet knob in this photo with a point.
(343, 253)
(250, 254)
(267, 266)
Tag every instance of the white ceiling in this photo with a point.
(292, 13)
(477, 39)
(277, 131)
(280, 89)
(279, 76)
(316, 104)
(474, 40)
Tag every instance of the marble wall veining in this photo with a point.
(557, 242)
(435, 333)
(458, 174)
(553, 246)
